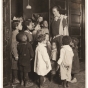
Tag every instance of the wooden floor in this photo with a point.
(80, 84)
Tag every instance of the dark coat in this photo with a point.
(25, 53)
(75, 64)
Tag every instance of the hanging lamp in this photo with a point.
(28, 6)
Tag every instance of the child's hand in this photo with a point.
(57, 67)
(16, 58)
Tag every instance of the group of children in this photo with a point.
(30, 42)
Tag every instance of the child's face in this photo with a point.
(30, 26)
(53, 45)
(72, 44)
(45, 24)
(40, 19)
(21, 19)
(24, 38)
(19, 27)
(47, 37)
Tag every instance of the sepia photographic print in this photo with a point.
(43, 43)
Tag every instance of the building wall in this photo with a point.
(16, 8)
(38, 6)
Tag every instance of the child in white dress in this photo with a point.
(65, 61)
(42, 65)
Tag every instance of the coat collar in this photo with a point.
(41, 44)
(67, 47)
(28, 31)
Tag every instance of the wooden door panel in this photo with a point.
(75, 23)
(75, 6)
(75, 12)
(75, 19)
(75, 31)
(78, 1)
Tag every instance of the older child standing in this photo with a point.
(16, 26)
(65, 61)
(42, 65)
(75, 63)
(26, 54)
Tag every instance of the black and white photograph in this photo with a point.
(44, 43)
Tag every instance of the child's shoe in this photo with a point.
(74, 80)
(44, 79)
(64, 84)
(28, 84)
(22, 83)
(67, 84)
(16, 81)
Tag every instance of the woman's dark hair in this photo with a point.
(15, 23)
(36, 16)
(26, 23)
(66, 40)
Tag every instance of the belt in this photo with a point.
(56, 36)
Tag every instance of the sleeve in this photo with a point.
(45, 55)
(14, 45)
(62, 53)
(31, 51)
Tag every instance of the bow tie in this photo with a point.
(56, 18)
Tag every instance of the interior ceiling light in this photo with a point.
(28, 6)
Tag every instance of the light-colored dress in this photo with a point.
(41, 57)
(65, 62)
(45, 30)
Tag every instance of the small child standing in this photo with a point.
(65, 61)
(42, 65)
(48, 44)
(17, 26)
(53, 59)
(26, 54)
(75, 64)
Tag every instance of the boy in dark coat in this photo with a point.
(26, 54)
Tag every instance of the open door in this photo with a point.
(76, 23)
(6, 41)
